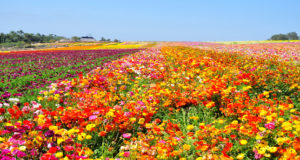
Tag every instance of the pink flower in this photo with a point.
(253, 69)
(92, 117)
(162, 141)
(126, 154)
(117, 107)
(270, 125)
(127, 114)
(127, 135)
(257, 155)
(69, 148)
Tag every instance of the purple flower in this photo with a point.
(17, 136)
(38, 128)
(20, 130)
(10, 128)
(49, 133)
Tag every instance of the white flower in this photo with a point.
(14, 100)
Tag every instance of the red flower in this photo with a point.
(52, 150)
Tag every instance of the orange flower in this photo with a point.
(102, 133)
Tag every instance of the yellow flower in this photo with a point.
(258, 137)
(2, 139)
(287, 126)
(59, 154)
(60, 140)
(132, 119)
(243, 142)
(267, 155)
(194, 117)
(53, 128)
(262, 150)
(141, 121)
(280, 140)
(88, 137)
(186, 147)
(272, 149)
(280, 119)
(22, 148)
(247, 88)
(221, 121)
(148, 125)
(66, 158)
(89, 127)
(190, 127)
(81, 137)
(266, 94)
(210, 104)
(235, 122)
(269, 118)
(240, 156)
(263, 112)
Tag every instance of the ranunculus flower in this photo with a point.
(270, 125)
(126, 154)
(127, 135)
(92, 117)
(49, 133)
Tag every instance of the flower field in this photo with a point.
(184, 100)
(23, 73)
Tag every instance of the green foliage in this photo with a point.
(293, 36)
(20, 36)
(288, 36)
(75, 39)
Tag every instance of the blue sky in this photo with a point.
(153, 20)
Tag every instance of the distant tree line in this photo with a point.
(20, 36)
(288, 36)
(108, 40)
(77, 39)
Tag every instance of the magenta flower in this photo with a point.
(92, 117)
(162, 141)
(257, 155)
(270, 125)
(126, 154)
(127, 135)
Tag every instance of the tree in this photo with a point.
(116, 40)
(103, 39)
(28, 37)
(279, 37)
(288, 36)
(2, 38)
(75, 39)
(293, 36)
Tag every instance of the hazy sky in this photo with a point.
(153, 20)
